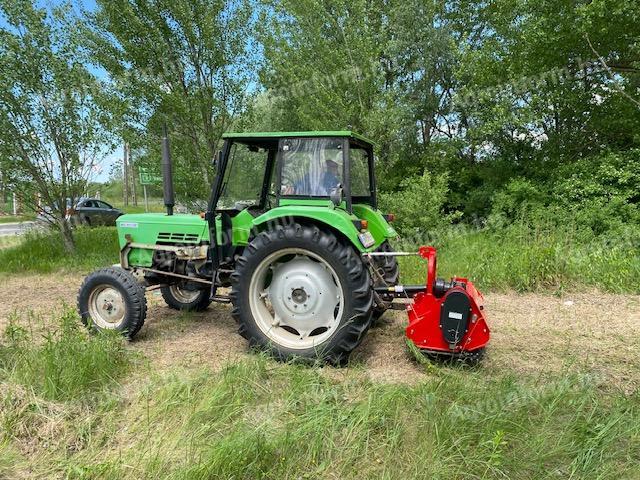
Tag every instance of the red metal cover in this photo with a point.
(424, 315)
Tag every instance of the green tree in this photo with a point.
(383, 68)
(325, 66)
(183, 63)
(53, 116)
(546, 85)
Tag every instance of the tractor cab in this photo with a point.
(260, 171)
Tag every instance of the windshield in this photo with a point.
(244, 176)
(311, 167)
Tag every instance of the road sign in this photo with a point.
(147, 177)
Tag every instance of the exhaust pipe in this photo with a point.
(167, 174)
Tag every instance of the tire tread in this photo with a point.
(134, 292)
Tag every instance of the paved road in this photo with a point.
(15, 228)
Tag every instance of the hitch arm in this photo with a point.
(400, 291)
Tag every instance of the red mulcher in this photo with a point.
(445, 318)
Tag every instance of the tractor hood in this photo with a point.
(152, 228)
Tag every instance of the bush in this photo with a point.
(418, 205)
(519, 198)
(596, 196)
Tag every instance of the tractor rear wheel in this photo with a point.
(387, 274)
(181, 298)
(299, 292)
(112, 299)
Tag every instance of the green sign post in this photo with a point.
(147, 178)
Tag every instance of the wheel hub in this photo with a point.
(297, 292)
(107, 307)
(299, 295)
(303, 301)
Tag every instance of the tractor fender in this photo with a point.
(334, 220)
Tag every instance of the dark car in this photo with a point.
(88, 211)
(91, 211)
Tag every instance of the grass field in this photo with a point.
(10, 241)
(87, 406)
(43, 252)
(15, 219)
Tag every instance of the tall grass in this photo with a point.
(260, 420)
(518, 257)
(62, 360)
(71, 406)
(525, 258)
(43, 252)
(9, 241)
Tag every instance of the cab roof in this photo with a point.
(278, 135)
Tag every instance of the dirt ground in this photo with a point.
(532, 334)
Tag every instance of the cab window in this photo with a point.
(311, 167)
(359, 172)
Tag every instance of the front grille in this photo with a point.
(178, 237)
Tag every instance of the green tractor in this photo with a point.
(289, 224)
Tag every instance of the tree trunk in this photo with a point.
(67, 236)
(125, 177)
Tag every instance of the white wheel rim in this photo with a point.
(107, 307)
(296, 298)
(184, 296)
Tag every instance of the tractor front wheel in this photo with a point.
(112, 299)
(299, 292)
(181, 298)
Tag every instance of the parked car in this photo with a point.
(87, 211)
(91, 211)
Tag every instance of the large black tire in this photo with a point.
(387, 268)
(174, 298)
(351, 272)
(120, 298)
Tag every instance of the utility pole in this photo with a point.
(125, 177)
(132, 172)
(3, 190)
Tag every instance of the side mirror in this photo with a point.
(336, 196)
